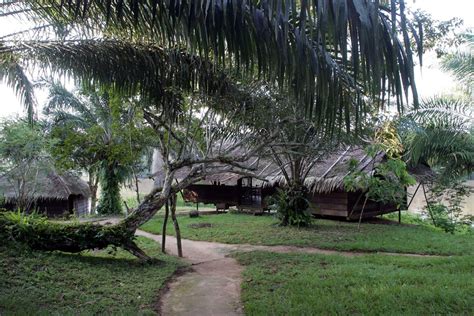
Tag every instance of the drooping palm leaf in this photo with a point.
(14, 75)
(441, 134)
(148, 70)
(461, 64)
(445, 111)
(312, 46)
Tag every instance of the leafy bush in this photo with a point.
(388, 185)
(38, 233)
(445, 206)
(292, 206)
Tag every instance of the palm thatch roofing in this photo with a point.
(326, 175)
(49, 185)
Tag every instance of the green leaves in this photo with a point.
(15, 76)
(156, 74)
(386, 185)
(326, 53)
(440, 134)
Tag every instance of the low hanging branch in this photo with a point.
(41, 234)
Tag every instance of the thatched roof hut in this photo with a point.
(328, 173)
(53, 193)
(325, 181)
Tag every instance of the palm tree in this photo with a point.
(330, 55)
(440, 134)
(461, 65)
(317, 49)
(97, 133)
(441, 131)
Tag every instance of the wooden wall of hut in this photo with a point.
(57, 207)
(348, 205)
(212, 194)
(339, 204)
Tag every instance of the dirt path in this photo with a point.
(212, 285)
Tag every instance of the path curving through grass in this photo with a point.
(212, 285)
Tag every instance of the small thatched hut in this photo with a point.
(325, 183)
(53, 194)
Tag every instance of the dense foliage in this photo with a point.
(101, 133)
(24, 153)
(292, 206)
(387, 185)
(41, 234)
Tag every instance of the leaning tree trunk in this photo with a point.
(79, 237)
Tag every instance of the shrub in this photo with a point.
(292, 206)
(38, 233)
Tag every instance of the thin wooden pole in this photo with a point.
(414, 194)
(165, 223)
(357, 202)
(176, 225)
(362, 212)
(428, 205)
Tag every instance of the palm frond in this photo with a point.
(59, 98)
(14, 75)
(147, 70)
(64, 118)
(444, 111)
(461, 64)
(440, 133)
(311, 46)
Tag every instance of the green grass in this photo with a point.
(181, 205)
(299, 284)
(263, 230)
(41, 283)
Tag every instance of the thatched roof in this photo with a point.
(49, 185)
(326, 175)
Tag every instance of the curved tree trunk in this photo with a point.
(79, 237)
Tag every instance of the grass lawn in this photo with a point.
(262, 230)
(42, 283)
(181, 205)
(299, 284)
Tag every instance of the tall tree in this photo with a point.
(99, 133)
(23, 156)
(330, 55)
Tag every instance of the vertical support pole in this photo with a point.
(399, 215)
(362, 212)
(428, 205)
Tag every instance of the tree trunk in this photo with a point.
(84, 236)
(109, 202)
(165, 222)
(176, 225)
(93, 185)
(137, 188)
